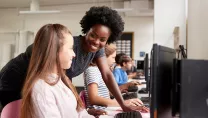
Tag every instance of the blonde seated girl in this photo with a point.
(48, 92)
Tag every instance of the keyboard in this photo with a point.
(132, 88)
(143, 91)
(143, 82)
(132, 114)
(132, 95)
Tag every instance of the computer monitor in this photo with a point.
(146, 71)
(176, 87)
(140, 64)
(193, 88)
(160, 81)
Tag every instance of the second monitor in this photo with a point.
(161, 65)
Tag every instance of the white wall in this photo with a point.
(11, 21)
(6, 47)
(143, 34)
(197, 29)
(167, 15)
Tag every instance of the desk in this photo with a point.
(112, 111)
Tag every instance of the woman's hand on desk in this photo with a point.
(143, 109)
(134, 102)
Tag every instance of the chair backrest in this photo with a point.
(11, 110)
(82, 96)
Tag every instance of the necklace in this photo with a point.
(52, 77)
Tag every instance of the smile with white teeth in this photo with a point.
(94, 47)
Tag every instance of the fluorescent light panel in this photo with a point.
(39, 12)
(124, 9)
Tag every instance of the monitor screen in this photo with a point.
(160, 81)
(140, 64)
(146, 71)
(176, 87)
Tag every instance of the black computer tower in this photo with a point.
(193, 89)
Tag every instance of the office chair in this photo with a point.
(11, 110)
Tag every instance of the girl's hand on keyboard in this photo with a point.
(145, 110)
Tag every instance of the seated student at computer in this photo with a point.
(117, 59)
(48, 92)
(96, 92)
(123, 87)
(120, 72)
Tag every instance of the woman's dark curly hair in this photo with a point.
(105, 16)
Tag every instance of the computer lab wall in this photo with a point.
(169, 14)
(190, 17)
(197, 29)
(15, 27)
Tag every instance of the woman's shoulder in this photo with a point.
(77, 39)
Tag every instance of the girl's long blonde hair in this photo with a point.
(46, 47)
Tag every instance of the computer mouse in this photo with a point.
(142, 91)
(132, 88)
